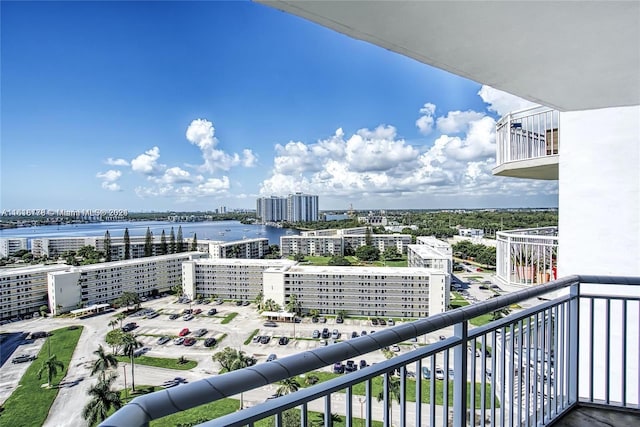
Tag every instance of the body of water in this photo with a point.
(213, 230)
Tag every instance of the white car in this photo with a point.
(439, 374)
(187, 317)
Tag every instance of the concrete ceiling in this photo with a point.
(569, 55)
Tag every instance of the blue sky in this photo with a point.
(195, 105)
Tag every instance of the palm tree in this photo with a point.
(51, 367)
(103, 398)
(314, 312)
(120, 317)
(103, 362)
(231, 359)
(129, 346)
(259, 301)
(286, 386)
(334, 418)
(394, 394)
(270, 305)
(311, 379)
(113, 323)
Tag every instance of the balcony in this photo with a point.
(555, 362)
(526, 257)
(527, 143)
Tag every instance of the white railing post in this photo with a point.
(574, 350)
(460, 378)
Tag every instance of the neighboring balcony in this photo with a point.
(526, 257)
(527, 143)
(565, 362)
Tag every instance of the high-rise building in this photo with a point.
(296, 207)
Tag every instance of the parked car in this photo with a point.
(351, 366)
(442, 338)
(338, 368)
(374, 322)
(265, 339)
(187, 317)
(271, 357)
(363, 333)
(325, 333)
(283, 341)
(257, 338)
(391, 322)
(382, 322)
(212, 312)
(270, 324)
(246, 303)
(339, 320)
(322, 319)
(129, 327)
(238, 303)
(187, 311)
(439, 374)
(219, 301)
(316, 334)
(197, 311)
(163, 340)
(139, 352)
(354, 334)
(178, 341)
(210, 342)
(152, 315)
(23, 358)
(395, 348)
(36, 335)
(314, 319)
(183, 332)
(174, 316)
(189, 341)
(335, 334)
(200, 332)
(363, 364)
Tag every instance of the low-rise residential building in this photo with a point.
(75, 287)
(232, 279)
(24, 290)
(312, 245)
(427, 257)
(247, 248)
(11, 245)
(361, 291)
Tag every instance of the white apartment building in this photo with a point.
(335, 242)
(361, 291)
(430, 253)
(75, 287)
(271, 209)
(471, 232)
(234, 279)
(247, 248)
(11, 245)
(24, 290)
(296, 207)
(311, 245)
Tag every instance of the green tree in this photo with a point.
(172, 242)
(338, 260)
(394, 394)
(368, 253)
(391, 253)
(179, 241)
(107, 246)
(311, 379)
(163, 244)
(314, 312)
(129, 298)
(113, 323)
(271, 305)
(115, 339)
(298, 257)
(259, 300)
(44, 309)
(194, 243)
(129, 346)
(293, 306)
(333, 419)
(51, 367)
(127, 244)
(148, 243)
(231, 359)
(103, 362)
(287, 386)
(368, 241)
(103, 399)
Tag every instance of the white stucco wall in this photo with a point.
(599, 200)
(599, 233)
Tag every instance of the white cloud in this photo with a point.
(116, 162)
(201, 133)
(147, 163)
(425, 121)
(175, 175)
(457, 121)
(109, 179)
(503, 102)
(183, 192)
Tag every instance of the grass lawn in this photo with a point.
(29, 397)
(159, 362)
(359, 389)
(250, 339)
(228, 318)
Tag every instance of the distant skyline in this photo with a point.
(188, 106)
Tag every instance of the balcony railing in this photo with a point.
(528, 135)
(528, 368)
(526, 257)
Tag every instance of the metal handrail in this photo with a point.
(156, 405)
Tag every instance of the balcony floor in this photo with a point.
(585, 416)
